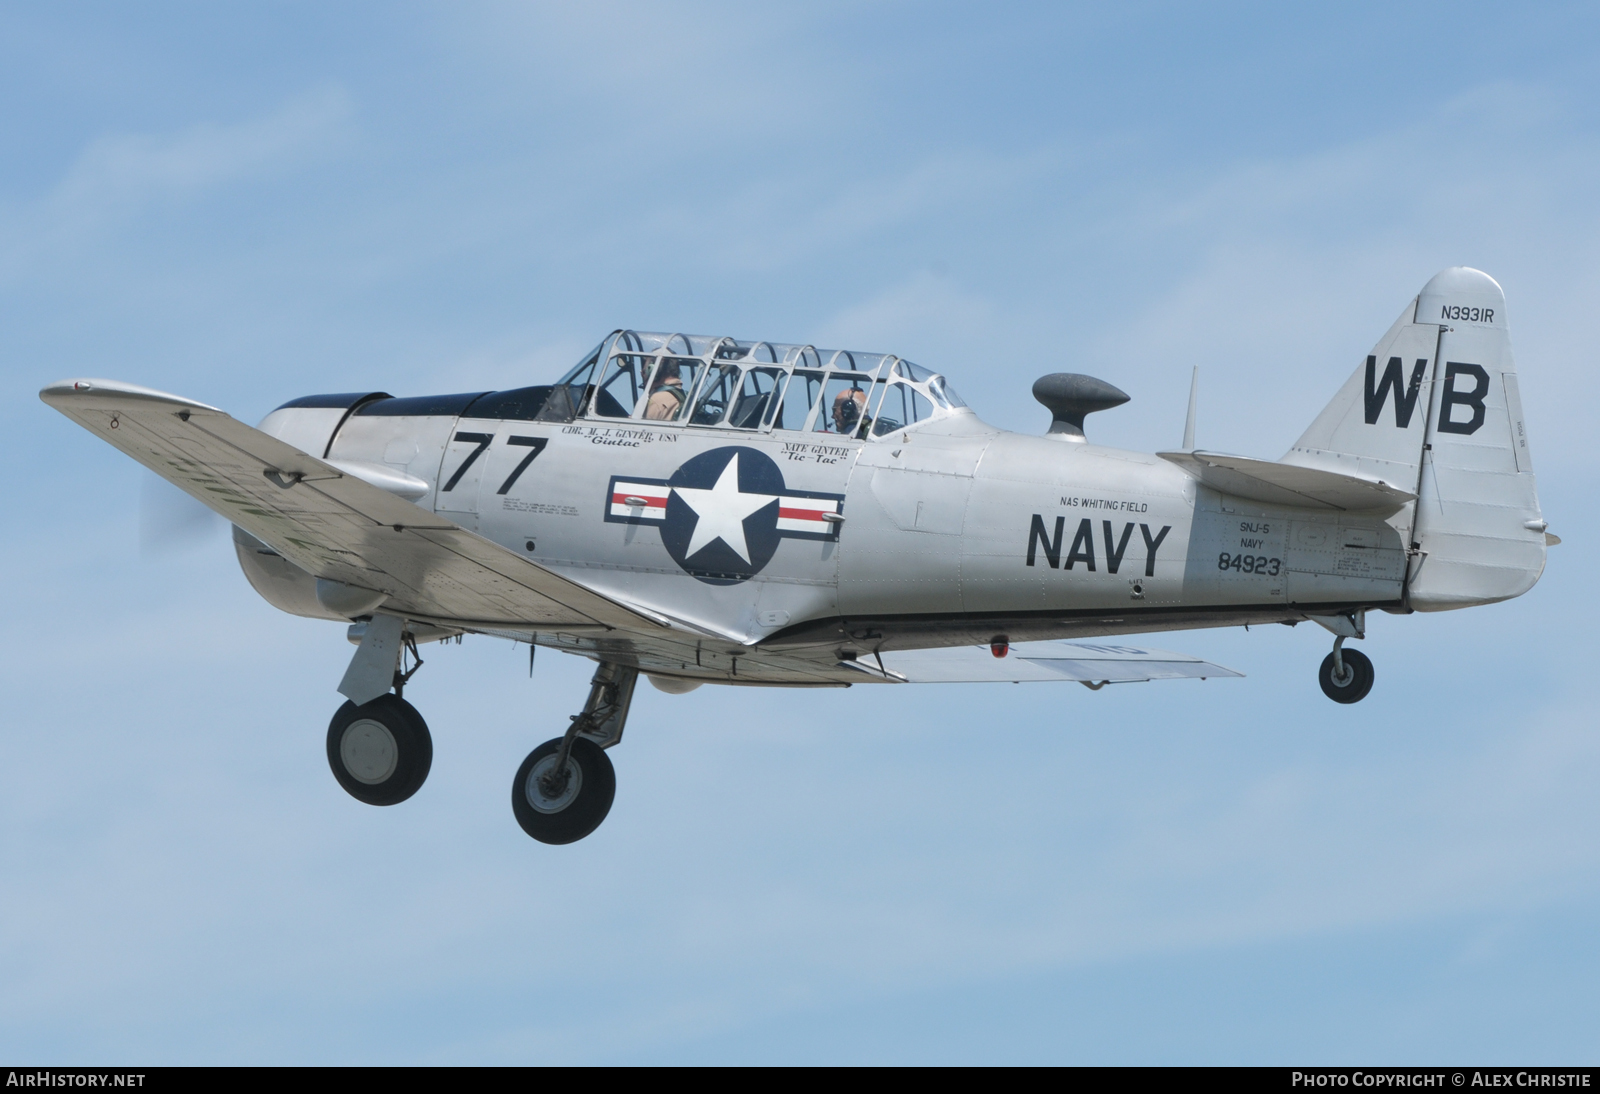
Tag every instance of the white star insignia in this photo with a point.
(721, 512)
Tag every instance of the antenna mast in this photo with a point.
(1188, 425)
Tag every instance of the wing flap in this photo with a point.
(1036, 662)
(332, 524)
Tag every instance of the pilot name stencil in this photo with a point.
(821, 453)
(620, 438)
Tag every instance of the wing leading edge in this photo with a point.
(331, 524)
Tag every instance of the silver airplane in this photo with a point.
(709, 510)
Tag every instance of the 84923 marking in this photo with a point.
(1250, 564)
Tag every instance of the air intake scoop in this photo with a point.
(1070, 396)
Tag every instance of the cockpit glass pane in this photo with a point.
(747, 385)
(844, 401)
(902, 405)
(670, 385)
(622, 386)
(757, 392)
(944, 393)
(716, 392)
(582, 373)
(798, 399)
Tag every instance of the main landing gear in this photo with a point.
(378, 745)
(563, 790)
(380, 749)
(1346, 675)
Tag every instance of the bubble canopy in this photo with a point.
(724, 383)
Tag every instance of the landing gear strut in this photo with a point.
(378, 745)
(564, 789)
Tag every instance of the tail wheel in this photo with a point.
(380, 751)
(563, 807)
(1350, 686)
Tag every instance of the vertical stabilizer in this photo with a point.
(1374, 427)
(1434, 410)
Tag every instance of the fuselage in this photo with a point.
(788, 530)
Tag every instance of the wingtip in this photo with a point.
(88, 390)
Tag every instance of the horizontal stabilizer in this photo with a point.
(1030, 662)
(1286, 484)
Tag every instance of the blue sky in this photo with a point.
(244, 205)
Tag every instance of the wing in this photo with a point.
(334, 525)
(1028, 662)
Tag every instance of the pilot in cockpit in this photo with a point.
(666, 393)
(847, 408)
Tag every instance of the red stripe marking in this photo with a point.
(802, 514)
(649, 502)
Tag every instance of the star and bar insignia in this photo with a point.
(723, 512)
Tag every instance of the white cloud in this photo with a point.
(119, 168)
(1295, 267)
(925, 311)
(116, 176)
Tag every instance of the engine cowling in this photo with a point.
(280, 582)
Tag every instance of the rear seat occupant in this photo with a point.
(848, 407)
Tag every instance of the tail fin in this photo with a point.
(1435, 410)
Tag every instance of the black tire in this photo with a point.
(372, 767)
(1357, 682)
(571, 816)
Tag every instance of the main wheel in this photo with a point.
(1352, 687)
(556, 810)
(380, 751)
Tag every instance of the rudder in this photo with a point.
(1479, 532)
